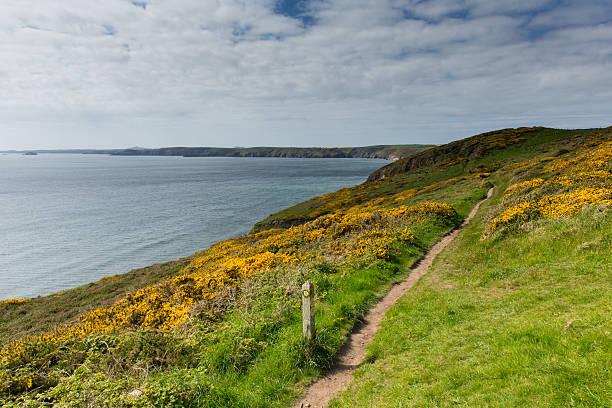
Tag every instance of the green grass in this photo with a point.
(519, 320)
(270, 376)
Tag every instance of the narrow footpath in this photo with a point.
(320, 393)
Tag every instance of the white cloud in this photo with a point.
(229, 72)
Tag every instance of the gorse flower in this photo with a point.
(566, 186)
(13, 301)
(521, 187)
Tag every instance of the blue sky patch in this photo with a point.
(297, 9)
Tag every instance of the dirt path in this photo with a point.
(351, 355)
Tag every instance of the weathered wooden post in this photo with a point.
(308, 318)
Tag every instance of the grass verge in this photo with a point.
(520, 320)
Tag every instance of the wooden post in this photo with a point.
(308, 318)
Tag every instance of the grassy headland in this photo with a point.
(222, 328)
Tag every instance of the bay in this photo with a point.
(66, 219)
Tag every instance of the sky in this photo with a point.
(122, 73)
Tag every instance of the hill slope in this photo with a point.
(517, 311)
(480, 154)
(223, 327)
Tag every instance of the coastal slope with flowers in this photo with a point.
(222, 327)
(517, 311)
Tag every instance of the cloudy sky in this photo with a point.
(119, 73)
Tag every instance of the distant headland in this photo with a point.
(388, 152)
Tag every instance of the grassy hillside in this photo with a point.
(517, 311)
(223, 327)
(480, 154)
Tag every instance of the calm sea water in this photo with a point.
(66, 220)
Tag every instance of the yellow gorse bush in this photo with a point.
(361, 196)
(559, 205)
(567, 186)
(13, 301)
(525, 164)
(521, 187)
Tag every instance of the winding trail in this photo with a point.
(320, 393)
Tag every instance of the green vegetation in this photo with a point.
(521, 318)
(389, 152)
(251, 356)
(514, 313)
(522, 321)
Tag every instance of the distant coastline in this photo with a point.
(387, 152)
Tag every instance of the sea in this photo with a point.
(70, 219)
